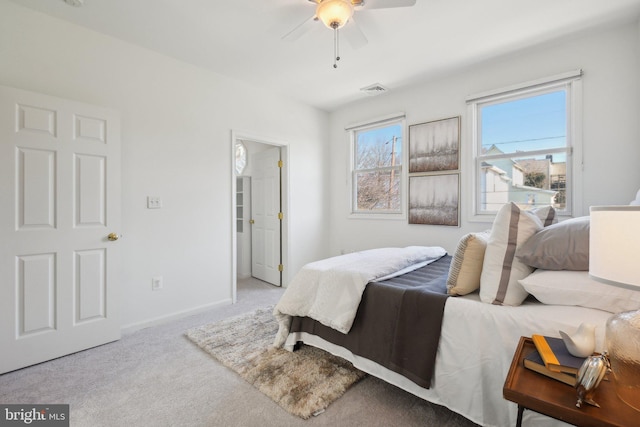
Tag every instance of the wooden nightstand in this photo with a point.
(534, 391)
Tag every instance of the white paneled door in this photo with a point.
(60, 189)
(266, 216)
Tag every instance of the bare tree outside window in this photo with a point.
(377, 172)
(535, 179)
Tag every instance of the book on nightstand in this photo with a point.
(534, 362)
(555, 355)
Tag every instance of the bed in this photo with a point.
(479, 329)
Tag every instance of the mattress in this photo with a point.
(475, 349)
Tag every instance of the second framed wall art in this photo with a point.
(434, 199)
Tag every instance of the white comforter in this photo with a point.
(330, 290)
(477, 343)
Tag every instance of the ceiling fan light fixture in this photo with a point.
(334, 13)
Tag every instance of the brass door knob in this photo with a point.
(251, 221)
(113, 237)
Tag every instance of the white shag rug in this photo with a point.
(304, 382)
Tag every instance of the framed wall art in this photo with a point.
(434, 199)
(435, 146)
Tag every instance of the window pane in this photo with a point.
(378, 148)
(533, 123)
(377, 169)
(528, 181)
(378, 190)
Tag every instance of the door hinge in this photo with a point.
(280, 216)
(280, 267)
(280, 163)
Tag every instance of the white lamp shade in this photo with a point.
(334, 13)
(614, 245)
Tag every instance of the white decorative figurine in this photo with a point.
(583, 342)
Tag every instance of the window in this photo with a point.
(376, 169)
(524, 145)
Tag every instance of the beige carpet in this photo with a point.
(304, 382)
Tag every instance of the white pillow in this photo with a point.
(546, 214)
(564, 287)
(501, 270)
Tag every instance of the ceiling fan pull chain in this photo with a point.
(336, 46)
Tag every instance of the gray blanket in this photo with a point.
(397, 324)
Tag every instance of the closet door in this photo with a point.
(266, 216)
(59, 224)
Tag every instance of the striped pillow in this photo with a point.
(466, 265)
(501, 270)
(546, 214)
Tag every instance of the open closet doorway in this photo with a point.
(259, 210)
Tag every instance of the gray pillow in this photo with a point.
(562, 246)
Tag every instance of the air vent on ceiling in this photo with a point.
(374, 89)
(74, 3)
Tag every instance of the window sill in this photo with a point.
(388, 216)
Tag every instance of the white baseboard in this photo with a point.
(132, 327)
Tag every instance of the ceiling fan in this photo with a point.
(335, 14)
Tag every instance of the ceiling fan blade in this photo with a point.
(300, 30)
(385, 4)
(354, 34)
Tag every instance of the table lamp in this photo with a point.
(614, 259)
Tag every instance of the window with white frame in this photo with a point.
(376, 168)
(524, 142)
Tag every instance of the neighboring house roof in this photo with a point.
(534, 189)
(505, 176)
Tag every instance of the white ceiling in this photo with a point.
(243, 38)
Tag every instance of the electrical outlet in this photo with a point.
(154, 202)
(156, 283)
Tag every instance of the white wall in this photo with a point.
(176, 144)
(610, 60)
